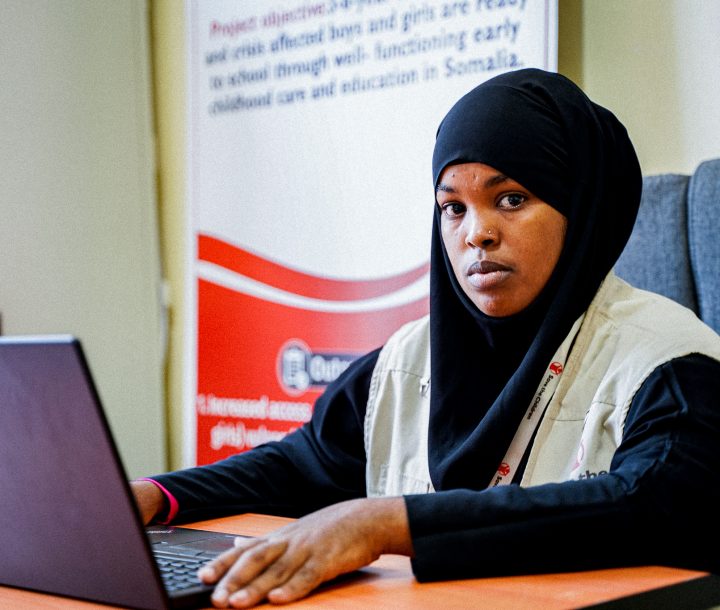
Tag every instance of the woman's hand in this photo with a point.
(292, 561)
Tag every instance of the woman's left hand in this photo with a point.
(287, 564)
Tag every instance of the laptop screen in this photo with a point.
(68, 523)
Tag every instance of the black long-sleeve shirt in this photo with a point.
(658, 504)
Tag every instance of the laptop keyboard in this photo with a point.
(179, 572)
(180, 562)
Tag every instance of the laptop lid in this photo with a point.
(68, 522)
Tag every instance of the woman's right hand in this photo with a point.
(149, 498)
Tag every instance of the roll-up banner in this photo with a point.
(311, 127)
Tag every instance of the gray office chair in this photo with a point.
(675, 246)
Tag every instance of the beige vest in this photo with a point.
(626, 334)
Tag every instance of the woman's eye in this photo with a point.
(453, 209)
(512, 201)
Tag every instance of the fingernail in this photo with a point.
(206, 573)
(239, 597)
(220, 596)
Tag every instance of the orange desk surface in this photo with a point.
(389, 583)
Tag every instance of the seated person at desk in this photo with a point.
(546, 416)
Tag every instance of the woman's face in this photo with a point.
(503, 242)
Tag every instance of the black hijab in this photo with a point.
(542, 131)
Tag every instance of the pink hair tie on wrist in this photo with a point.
(174, 507)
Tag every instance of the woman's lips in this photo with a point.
(485, 274)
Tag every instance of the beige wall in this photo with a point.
(77, 193)
(653, 62)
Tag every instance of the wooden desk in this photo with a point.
(389, 583)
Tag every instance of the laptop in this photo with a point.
(68, 522)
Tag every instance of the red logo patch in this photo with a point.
(504, 469)
(556, 368)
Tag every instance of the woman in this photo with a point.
(565, 420)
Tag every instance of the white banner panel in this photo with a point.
(310, 139)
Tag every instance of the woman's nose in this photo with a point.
(481, 234)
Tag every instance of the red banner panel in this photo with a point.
(261, 364)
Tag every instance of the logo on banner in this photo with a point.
(299, 368)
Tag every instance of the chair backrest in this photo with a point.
(704, 234)
(674, 249)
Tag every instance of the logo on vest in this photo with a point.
(502, 471)
(556, 368)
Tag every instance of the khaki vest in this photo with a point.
(626, 334)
